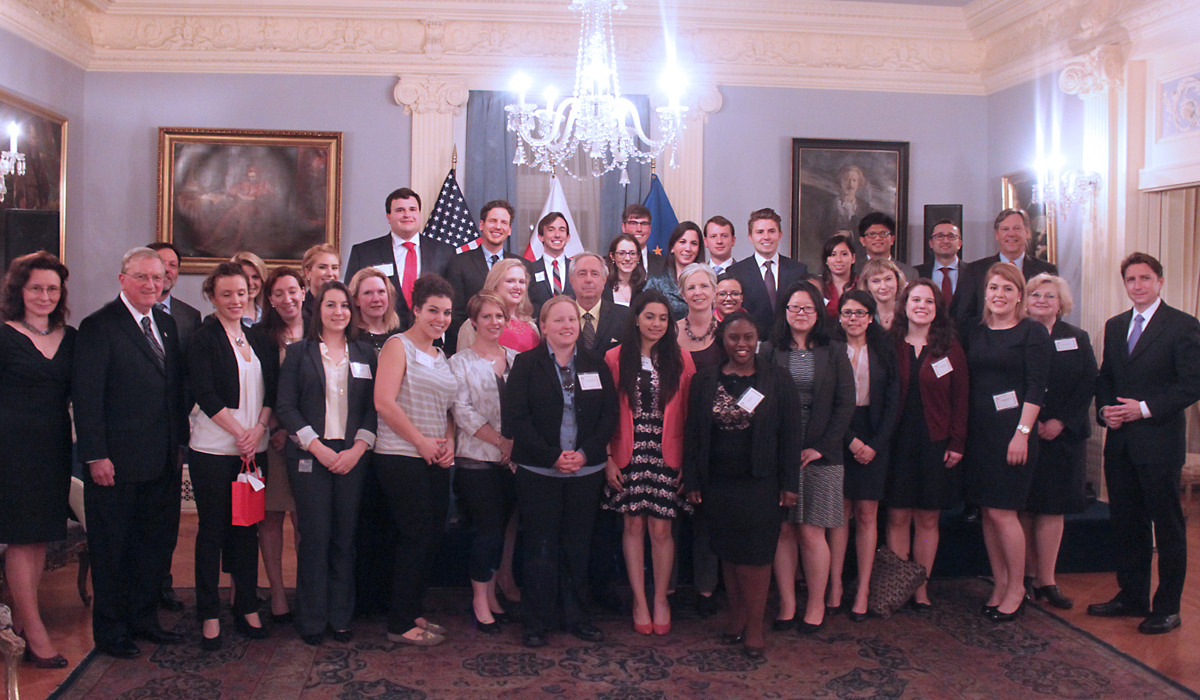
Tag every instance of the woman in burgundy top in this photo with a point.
(923, 477)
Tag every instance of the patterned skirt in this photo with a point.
(650, 485)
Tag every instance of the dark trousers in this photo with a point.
(557, 515)
(217, 537)
(705, 566)
(375, 544)
(607, 556)
(490, 495)
(327, 512)
(1141, 495)
(129, 526)
(419, 495)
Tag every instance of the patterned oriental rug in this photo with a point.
(952, 652)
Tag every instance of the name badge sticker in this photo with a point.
(647, 364)
(1006, 401)
(589, 381)
(305, 466)
(423, 359)
(942, 367)
(386, 268)
(360, 370)
(750, 400)
(1065, 344)
(539, 277)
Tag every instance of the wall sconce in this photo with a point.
(11, 161)
(1061, 189)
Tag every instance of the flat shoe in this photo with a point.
(435, 628)
(424, 638)
(56, 661)
(1158, 623)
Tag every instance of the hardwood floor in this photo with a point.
(1173, 655)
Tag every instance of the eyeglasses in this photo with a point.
(143, 278)
(634, 223)
(877, 234)
(728, 295)
(625, 254)
(1047, 296)
(38, 290)
(945, 236)
(802, 310)
(855, 313)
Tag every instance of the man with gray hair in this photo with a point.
(600, 320)
(130, 422)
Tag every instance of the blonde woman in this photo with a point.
(510, 279)
(373, 302)
(256, 272)
(883, 279)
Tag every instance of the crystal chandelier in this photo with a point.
(11, 161)
(595, 120)
(1070, 188)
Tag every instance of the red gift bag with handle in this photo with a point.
(249, 496)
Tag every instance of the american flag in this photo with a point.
(451, 222)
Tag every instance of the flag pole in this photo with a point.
(454, 157)
(653, 164)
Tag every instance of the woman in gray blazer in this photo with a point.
(326, 404)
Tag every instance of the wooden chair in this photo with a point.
(12, 650)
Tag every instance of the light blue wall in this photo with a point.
(748, 150)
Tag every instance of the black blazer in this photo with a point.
(540, 291)
(1071, 384)
(833, 396)
(608, 327)
(754, 290)
(654, 263)
(187, 320)
(213, 370)
(774, 427)
(926, 269)
(435, 257)
(466, 273)
(127, 409)
(300, 400)
(532, 410)
(972, 279)
(1163, 371)
(885, 401)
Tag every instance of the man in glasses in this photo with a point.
(945, 242)
(635, 221)
(877, 233)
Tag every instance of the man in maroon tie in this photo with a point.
(945, 241)
(550, 272)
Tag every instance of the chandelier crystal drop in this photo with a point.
(11, 161)
(595, 120)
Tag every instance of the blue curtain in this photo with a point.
(614, 196)
(490, 172)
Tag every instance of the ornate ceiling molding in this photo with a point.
(1099, 71)
(60, 26)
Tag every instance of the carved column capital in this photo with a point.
(432, 94)
(1099, 70)
(708, 100)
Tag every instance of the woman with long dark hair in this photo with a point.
(626, 276)
(37, 350)
(824, 385)
(837, 275)
(232, 372)
(741, 463)
(685, 246)
(326, 403)
(923, 477)
(876, 404)
(645, 455)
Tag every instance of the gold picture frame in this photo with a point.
(272, 193)
(1019, 193)
(35, 202)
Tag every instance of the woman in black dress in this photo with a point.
(1064, 426)
(37, 350)
(928, 444)
(746, 406)
(1009, 359)
(876, 404)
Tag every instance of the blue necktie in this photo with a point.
(1136, 332)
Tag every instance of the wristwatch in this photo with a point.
(1023, 429)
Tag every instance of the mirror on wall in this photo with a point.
(33, 213)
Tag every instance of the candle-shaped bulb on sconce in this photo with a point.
(13, 131)
(520, 83)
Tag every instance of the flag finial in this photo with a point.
(454, 157)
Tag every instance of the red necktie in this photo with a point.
(947, 285)
(557, 278)
(410, 271)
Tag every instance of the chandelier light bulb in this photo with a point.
(551, 94)
(521, 84)
(13, 132)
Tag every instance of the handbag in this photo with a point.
(893, 581)
(249, 496)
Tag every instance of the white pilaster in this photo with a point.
(685, 185)
(433, 101)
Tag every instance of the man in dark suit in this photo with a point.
(130, 421)
(468, 271)
(402, 254)
(945, 241)
(187, 319)
(877, 232)
(635, 221)
(550, 274)
(1012, 232)
(766, 273)
(1149, 377)
(600, 322)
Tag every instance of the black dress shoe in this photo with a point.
(997, 616)
(502, 617)
(534, 639)
(1117, 608)
(921, 608)
(587, 632)
(987, 610)
(1157, 623)
(56, 661)
(247, 630)
(313, 640)
(492, 627)
(157, 635)
(283, 618)
(1053, 596)
(706, 606)
(122, 648)
(210, 643)
(729, 639)
(784, 625)
(168, 600)
(342, 636)
(803, 627)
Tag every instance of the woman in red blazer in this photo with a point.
(928, 444)
(645, 454)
